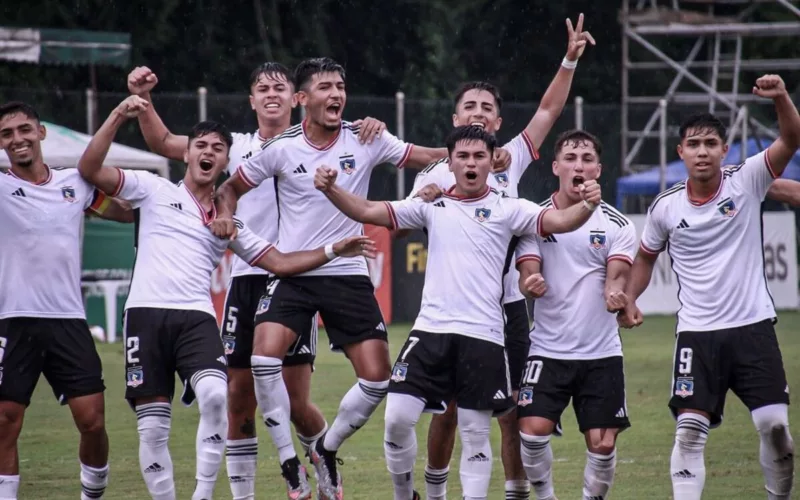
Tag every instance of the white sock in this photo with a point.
(436, 483)
(598, 475)
(537, 459)
(211, 388)
(305, 441)
(776, 450)
(476, 452)
(93, 482)
(241, 459)
(273, 399)
(400, 441)
(153, 422)
(687, 464)
(354, 411)
(9, 485)
(518, 489)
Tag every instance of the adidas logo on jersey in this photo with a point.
(479, 457)
(440, 204)
(154, 467)
(683, 224)
(223, 360)
(300, 170)
(176, 205)
(381, 327)
(19, 192)
(621, 413)
(499, 395)
(304, 350)
(215, 439)
(550, 239)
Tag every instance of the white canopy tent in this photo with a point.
(63, 147)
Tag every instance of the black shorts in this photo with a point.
(596, 387)
(160, 342)
(518, 341)
(245, 294)
(746, 360)
(61, 349)
(439, 367)
(347, 305)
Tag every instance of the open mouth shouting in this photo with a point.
(333, 111)
(577, 181)
(206, 165)
(471, 175)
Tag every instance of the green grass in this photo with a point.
(49, 463)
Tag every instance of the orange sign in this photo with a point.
(380, 271)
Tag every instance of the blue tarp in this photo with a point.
(647, 183)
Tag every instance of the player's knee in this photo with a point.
(474, 425)
(212, 396)
(690, 440)
(772, 422)
(601, 441)
(92, 422)
(153, 431)
(396, 418)
(11, 416)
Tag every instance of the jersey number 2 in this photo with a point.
(132, 348)
(685, 359)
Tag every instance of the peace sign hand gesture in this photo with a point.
(577, 39)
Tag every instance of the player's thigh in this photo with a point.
(22, 356)
(599, 398)
(545, 390)
(238, 322)
(349, 310)
(303, 351)
(72, 365)
(483, 381)
(700, 375)
(425, 369)
(758, 377)
(518, 340)
(148, 352)
(287, 305)
(198, 351)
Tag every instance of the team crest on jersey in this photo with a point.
(399, 372)
(502, 179)
(482, 214)
(525, 396)
(68, 192)
(597, 239)
(727, 207)
(229, 343)
(135, 377)
(263, 304)
(684, 387)
(347, 164)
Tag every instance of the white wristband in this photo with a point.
(569, 64)
(589, 206)
(329, 253)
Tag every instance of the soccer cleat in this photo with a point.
(297, 487)
(329, 481)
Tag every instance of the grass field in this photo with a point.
(49, 464)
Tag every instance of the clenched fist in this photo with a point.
(535, 286)
(132, 106)
(141, 80)
(770, 87)
(223, 228)
(616, 301)
(590, 192)
(325, 178)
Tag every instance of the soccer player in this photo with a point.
(456, 347)
(170, 323)
(479, 103)
(43, 327)
(341, 291)
(711, 227)
(575, 348)
(272, 99)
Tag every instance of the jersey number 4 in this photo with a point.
(533, 371)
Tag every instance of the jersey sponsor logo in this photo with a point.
(597, 239)
(135, 377)
(727, 208)
(525, 396)
(68, 192)
(502, 179)
(684, 387)
(482, 214)
(347, 163)
(399, 372)
(229, 343)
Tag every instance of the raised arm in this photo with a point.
(781, 151)
(555, 97)
(355, 207)
(90, 165)
(114, 210)
(226, 199)
(570, 219)
(420, 156)
(157, 136)
(785, 191)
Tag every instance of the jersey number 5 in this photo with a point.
(132, 347)
(532, 372)
(230, 325)
(685, 361)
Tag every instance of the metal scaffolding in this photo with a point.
(722, 26)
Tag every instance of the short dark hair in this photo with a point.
(577, 136)
(271, 69)
(211, 127)
(310, 67)
(470, 133)
(14, 107)
(703, 122)
(488, 87)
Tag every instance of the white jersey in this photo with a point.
(522, 155)
(468, 241)
(258, 208)
(571, 321)
(40, 249)
(175, 251)
(716, 248)
(308, 219)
